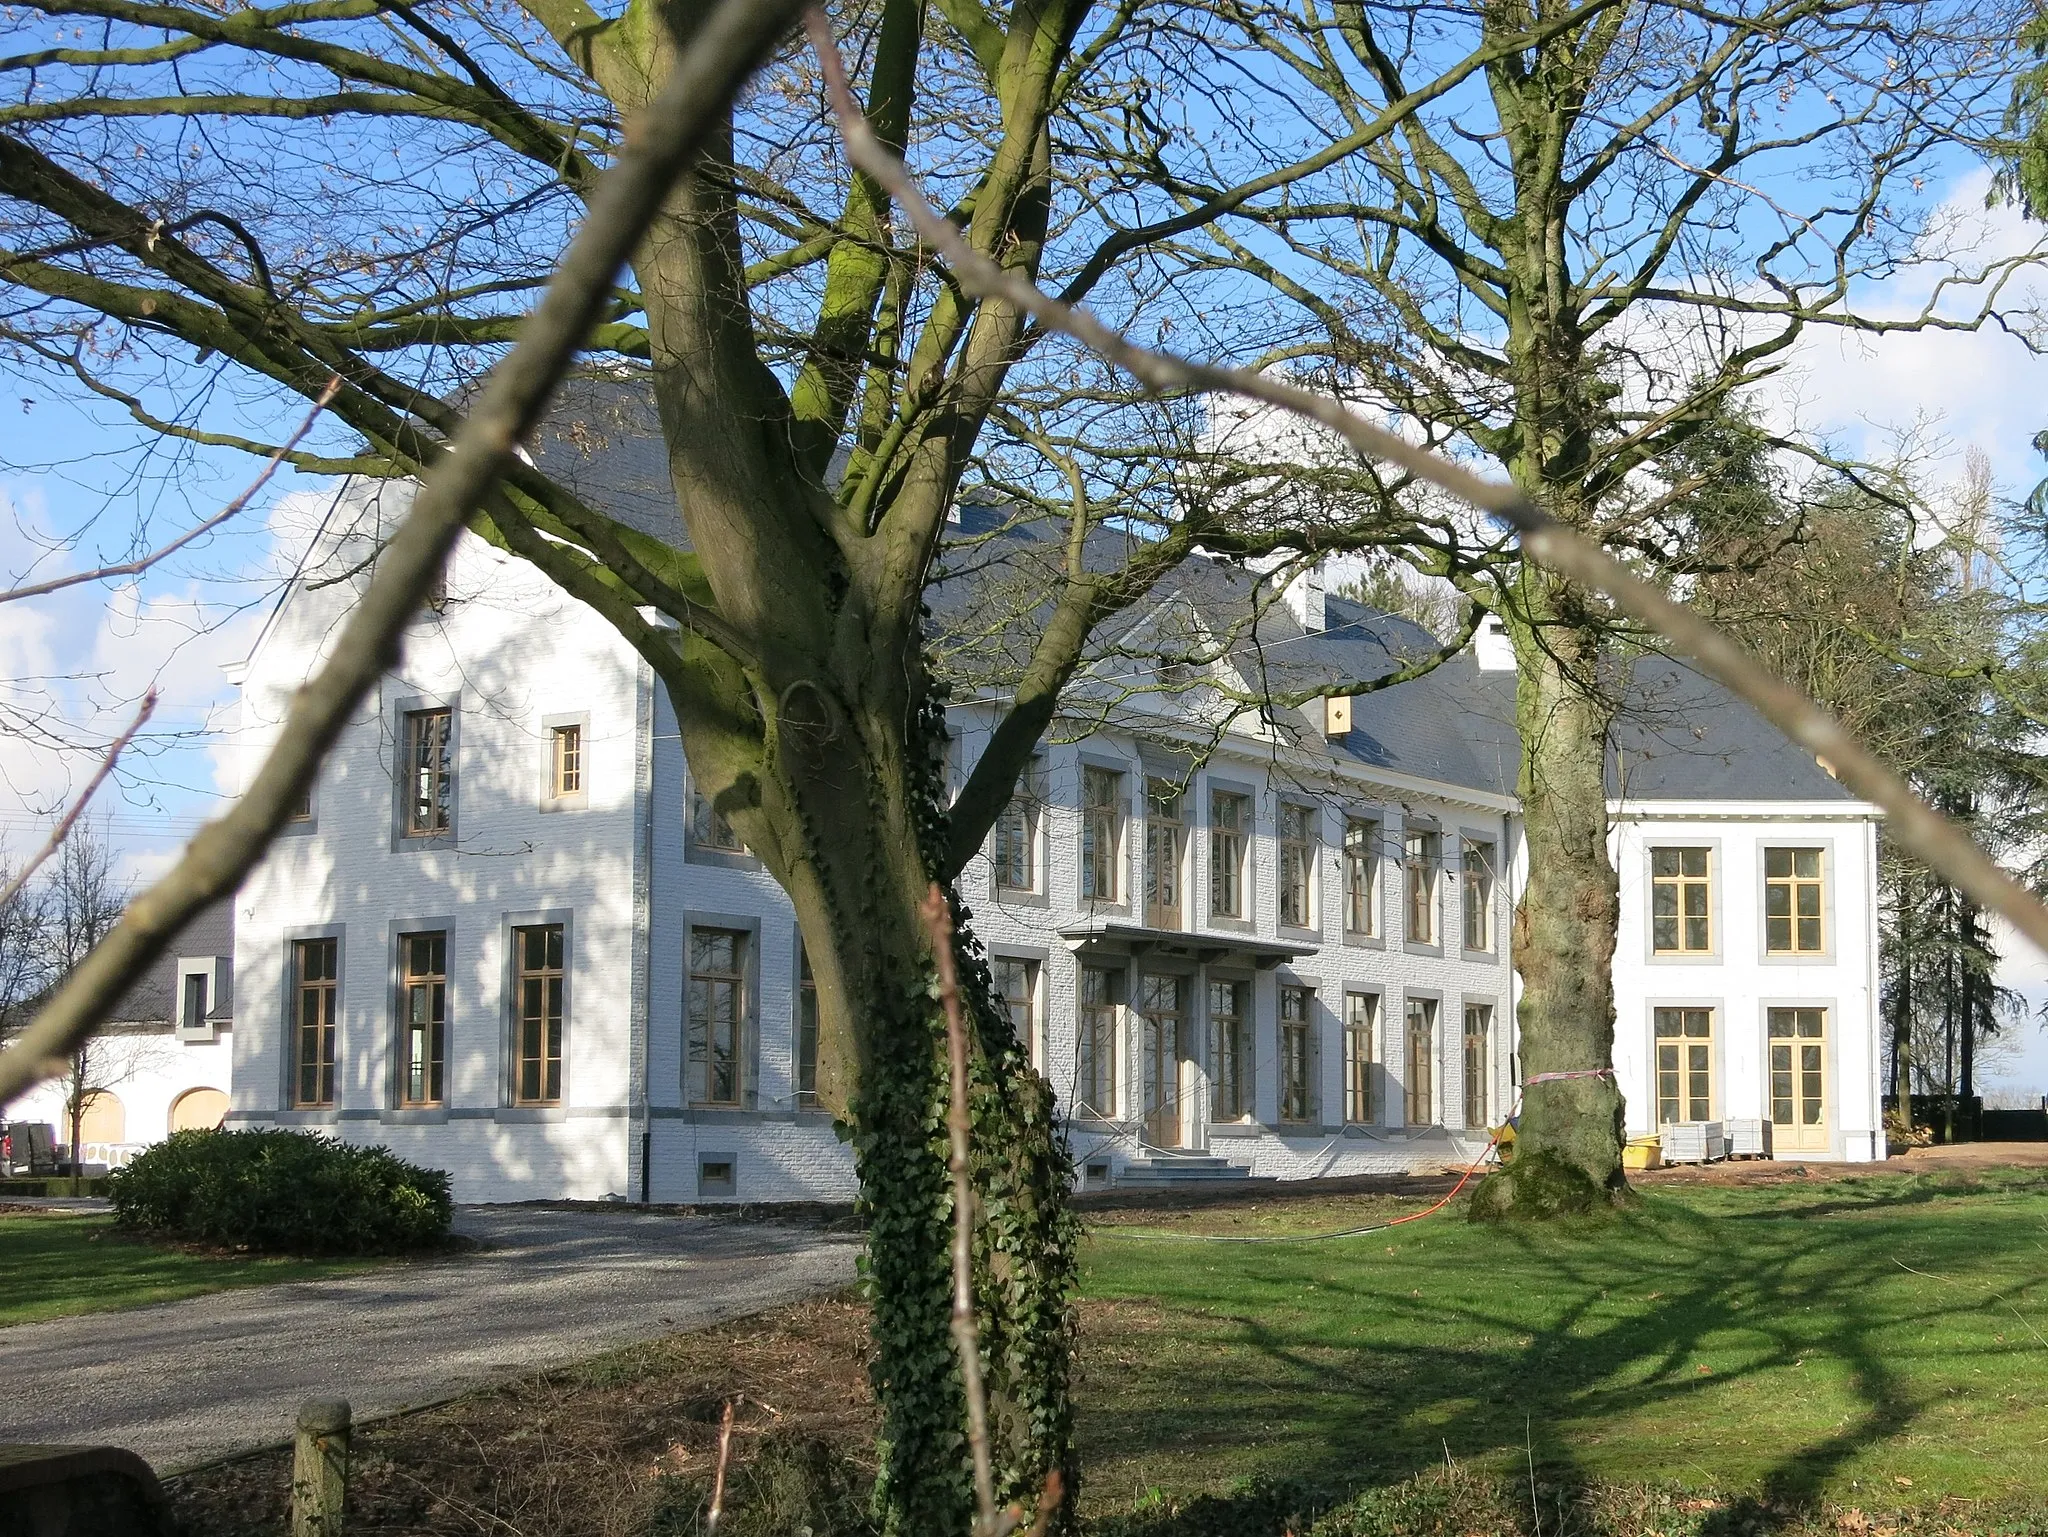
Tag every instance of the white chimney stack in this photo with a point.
(1304, 598)
(1491, 646)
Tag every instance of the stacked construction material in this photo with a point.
(1695, 1142)
(1749, 1139)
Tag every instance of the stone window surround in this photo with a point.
(579, 800)
(1717, 885)
(1829, 872)
(508, 1007)
(750, 1019)
(400, 708)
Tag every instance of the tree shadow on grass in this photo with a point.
(1531, 1348)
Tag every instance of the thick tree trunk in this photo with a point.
(1567, 1154)
(1024, 1260)
(846, 805)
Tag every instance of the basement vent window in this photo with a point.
(715, 1177)
(1096, 1174)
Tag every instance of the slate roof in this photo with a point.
(154, 997)
(1685, 737)
(1680, 736)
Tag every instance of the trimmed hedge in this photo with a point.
(287, 1192)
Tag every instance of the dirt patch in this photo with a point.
(1111, 1206)
(623, 1444)
(1959, 1158)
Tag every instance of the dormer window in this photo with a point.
(192, 1006)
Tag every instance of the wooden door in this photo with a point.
(1799, 1103)
(1421, 1061)
(1162, 1010)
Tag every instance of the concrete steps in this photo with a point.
(1165, 1170)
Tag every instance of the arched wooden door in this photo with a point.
(198, 1110)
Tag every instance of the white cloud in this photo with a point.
(1981, 388)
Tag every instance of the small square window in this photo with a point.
(716, 1177)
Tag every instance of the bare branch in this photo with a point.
(717, 1510)
(63, 828)
(938, 921)
(137, 567)
(1915, 825)
(658, 147)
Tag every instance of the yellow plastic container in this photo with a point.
(1643, 1153)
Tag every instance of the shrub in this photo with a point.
(283, 1192)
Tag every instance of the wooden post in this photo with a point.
(320, 1467)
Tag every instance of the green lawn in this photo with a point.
(57, 1263)
(1878, 1340)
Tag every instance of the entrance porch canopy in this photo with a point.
(1107, 937)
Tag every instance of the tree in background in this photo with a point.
(1894, 604)
(24, 948)
(1569, 264)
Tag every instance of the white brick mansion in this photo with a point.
(505, 940)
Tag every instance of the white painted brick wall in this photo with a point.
(517, 651)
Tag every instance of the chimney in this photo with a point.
(1491, 647)
(1304, 598)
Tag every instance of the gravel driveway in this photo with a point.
(185, 1382)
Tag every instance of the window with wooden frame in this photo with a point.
(429, 773)
(539, 985)
(1681, 901)
(1096, 1038)
(1230, 816)
(1165, 845)
(1013, 844)
(1230, 1051)
(1297, 865)
(1361, 878)
(1421, 1107)
(718, 1016)
(806, 1032)
(1421, 853)
(1794, 902)
(1297, 1010)
(423, 1022)
(709, 829)
(316, 981)
(1102, 833)
(1685, 1065)
(565, 761)
(1017, 985)
(1478, 1064)
(1476, 898)
(1360, 1015)
(302, 808)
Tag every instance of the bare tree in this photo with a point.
(83, 900)
(24, 947)
(1571, 266)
